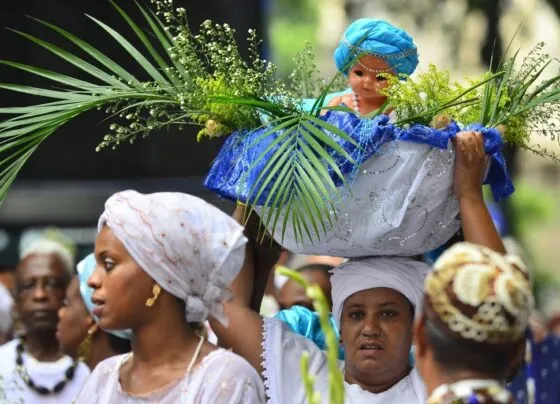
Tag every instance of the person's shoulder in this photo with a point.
(221, 355)
(9, 346)
(113, 360)
(104, 377)
(110, 364)
(82, 370)
(8, 355)
(228, 361)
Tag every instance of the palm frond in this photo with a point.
(97, 55)
(165, 39)
(29, 126)
(296, 176)
(163, 64)
(300, 167)
(76, 61)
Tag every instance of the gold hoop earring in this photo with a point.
(156, 290)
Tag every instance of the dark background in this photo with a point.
(65, 182)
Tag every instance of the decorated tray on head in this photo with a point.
(365, 171)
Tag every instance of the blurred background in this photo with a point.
(62, 188)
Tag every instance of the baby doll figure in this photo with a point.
(368, 51)
(365, 79)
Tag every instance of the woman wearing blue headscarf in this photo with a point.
(78, 332)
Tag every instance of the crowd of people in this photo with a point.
(179, 303)
(127, 323)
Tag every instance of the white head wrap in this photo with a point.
(189, 247)
(6, 306)
(404, 275)
(46, 246)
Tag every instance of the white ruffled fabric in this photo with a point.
(189, 247)
(401, 203)
(404, 275)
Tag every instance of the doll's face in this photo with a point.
(365, 79)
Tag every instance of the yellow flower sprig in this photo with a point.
(336, 378)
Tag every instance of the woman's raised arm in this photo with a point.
(470, 167)
(244, 331)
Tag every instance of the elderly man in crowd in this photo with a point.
(32, 369)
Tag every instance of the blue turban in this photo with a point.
(85, 269)
(380, 39)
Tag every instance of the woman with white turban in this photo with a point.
(164, 261)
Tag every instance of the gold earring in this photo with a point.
(85, 346)
(156, 290)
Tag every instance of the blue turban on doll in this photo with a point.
(85, 269)
(380, 39)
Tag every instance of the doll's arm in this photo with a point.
(332, 103)
(335, 101)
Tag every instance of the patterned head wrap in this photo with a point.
(85, 268)
(380, 39)
(480, 295)
(404, 275)
(189, 247)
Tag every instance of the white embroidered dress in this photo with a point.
(221, 378)
(282, 350)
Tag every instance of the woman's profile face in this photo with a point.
(376, 331)
(74, 320)
(120, 286)
(368, 76)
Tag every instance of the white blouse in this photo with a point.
(282, 350)
(221, 378)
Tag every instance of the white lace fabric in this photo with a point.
(401, 203)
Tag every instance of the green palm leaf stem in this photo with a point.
(177, 67)
(336, 378)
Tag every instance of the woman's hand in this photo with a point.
(470, 168)
(470, 165)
